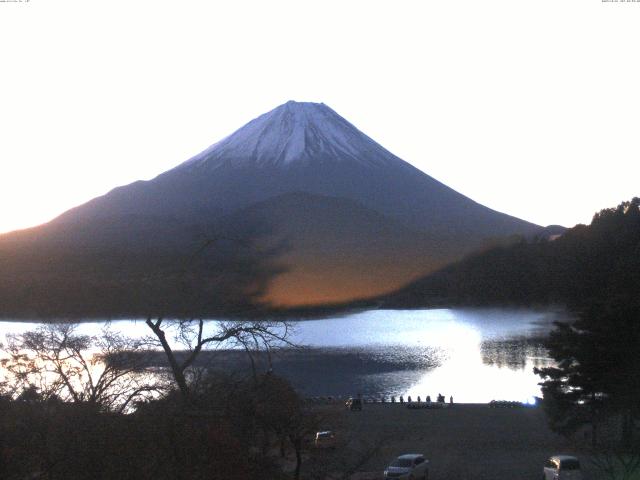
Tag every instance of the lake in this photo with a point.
(474, 355)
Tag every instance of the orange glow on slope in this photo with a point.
(316, 282)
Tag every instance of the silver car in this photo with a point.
(562, 467)
(411, 466)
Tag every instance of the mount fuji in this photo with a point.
(347, 218)
(302, 147)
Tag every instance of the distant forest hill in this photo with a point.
(586, 264)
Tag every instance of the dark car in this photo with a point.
(562, 467)
(354, 404)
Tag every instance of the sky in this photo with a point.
(529, 107)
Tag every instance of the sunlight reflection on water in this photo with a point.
(475, 355)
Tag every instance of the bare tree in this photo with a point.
(252, 336)
(54, 361)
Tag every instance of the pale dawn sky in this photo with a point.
(528, 107)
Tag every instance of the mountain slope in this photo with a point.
(335, 249)
(355, 219)
(303, 147)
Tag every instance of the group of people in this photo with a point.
(441, 399)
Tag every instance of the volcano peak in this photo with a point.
(293, 133)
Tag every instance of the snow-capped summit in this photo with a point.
(294, 132)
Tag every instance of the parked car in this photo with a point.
(562, 467)
(505, 404)
(354, 404)
(325, 439)
(411, 466)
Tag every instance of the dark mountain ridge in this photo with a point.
(585, 265)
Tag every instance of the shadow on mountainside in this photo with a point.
(61, 271)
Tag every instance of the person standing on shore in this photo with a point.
(451, 400)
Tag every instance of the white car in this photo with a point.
(562, 467)
(411, 466)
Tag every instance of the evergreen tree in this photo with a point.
(597, 372)
(598, 369)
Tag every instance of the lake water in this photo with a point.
(474, 355)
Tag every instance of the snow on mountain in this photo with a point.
(303, 147)
(294, 132)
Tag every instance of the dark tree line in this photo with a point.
(586, 262)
